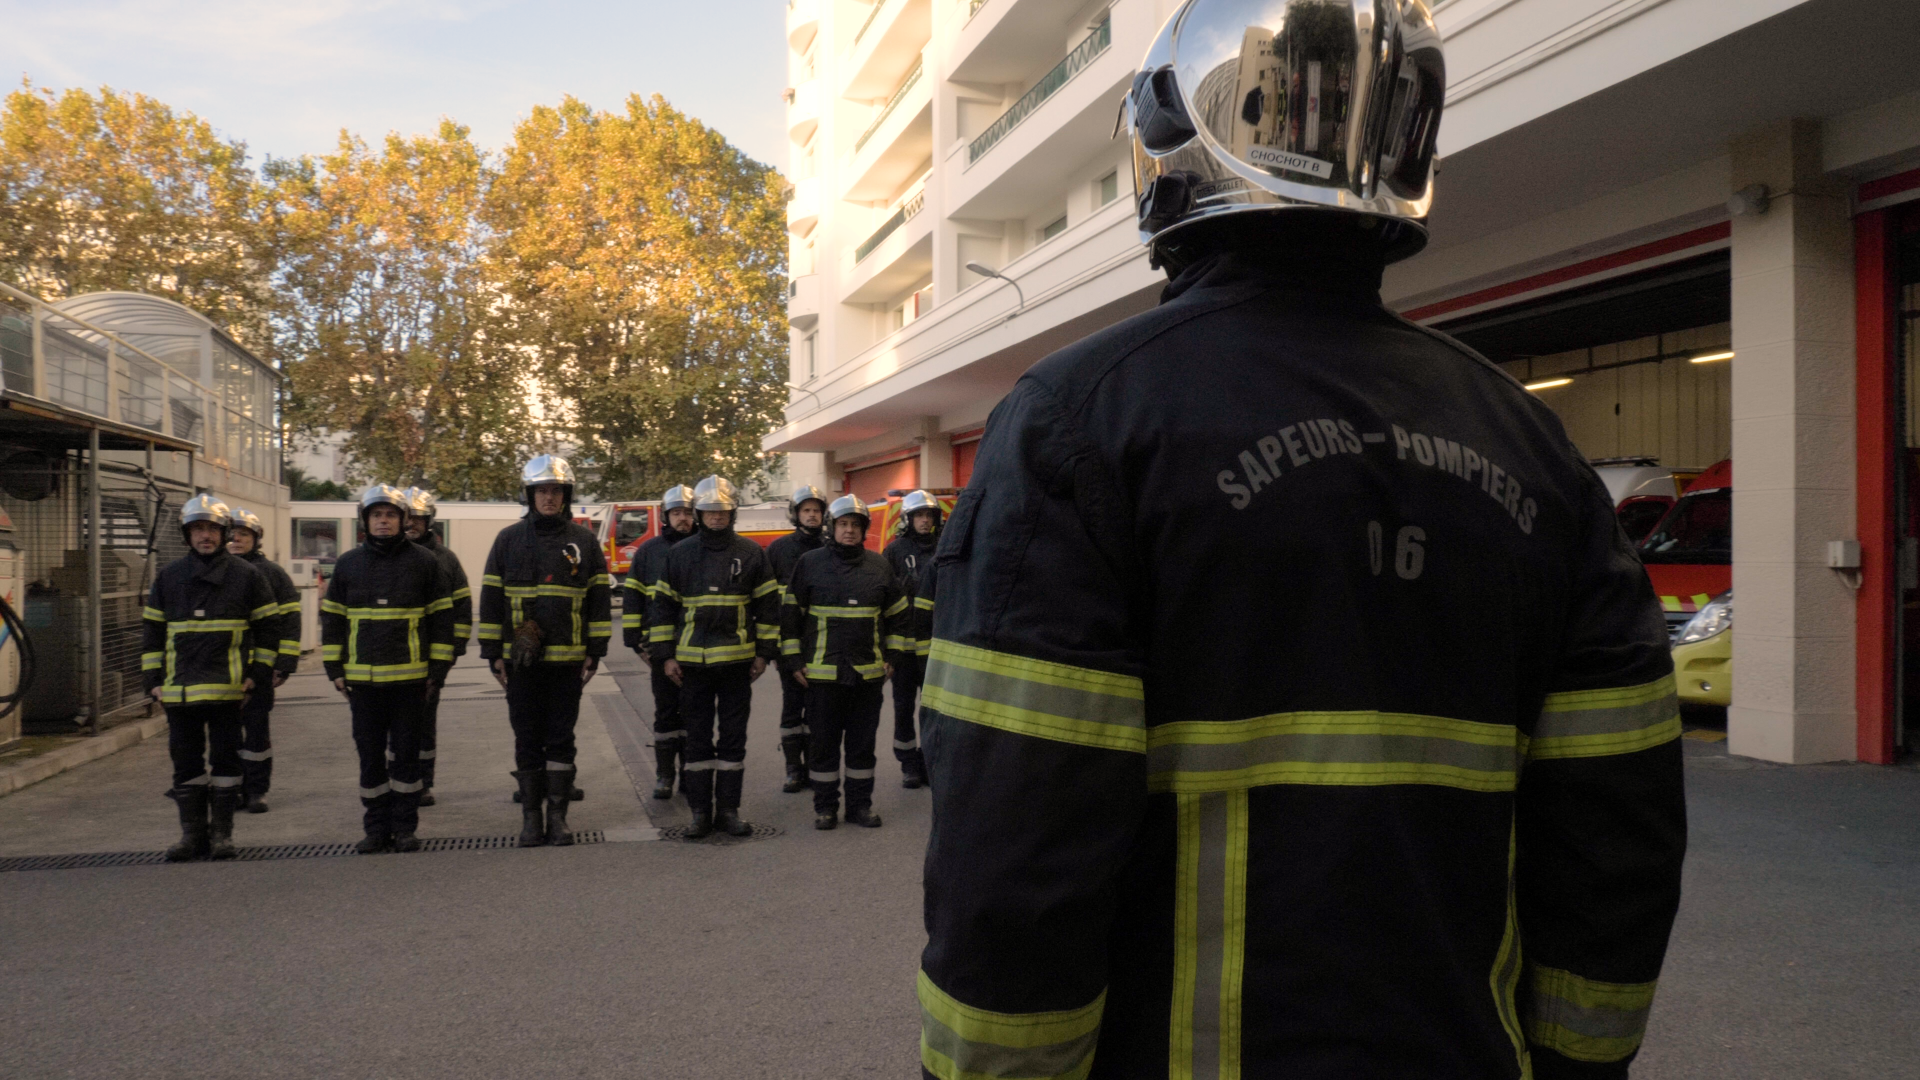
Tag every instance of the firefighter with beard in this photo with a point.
(386, 641)
(256, 738)
(546, 618)
(843, 628)
(422, 507)
(1295, 705)
(714, 627)
(910, 554)
(649, 562)
(807, 509)
(212, 626)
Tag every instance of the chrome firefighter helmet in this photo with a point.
(548, 469)
(678, 497)
(715, 493)
(204, 507)
(801, 494)
(850, 506)
(250, 521)
(381, 495)
(421, 503)
(914, 502)
(1266, 106)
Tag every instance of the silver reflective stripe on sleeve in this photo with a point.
(729, 766)
(256, 755)
(859, 774)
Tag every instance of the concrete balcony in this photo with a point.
(803, 112)
(803, 21)
(1006, 40)
(898, 252)
(803, 208)
(803, 301)
(885, 47)
(1013, 166)
(897, 143)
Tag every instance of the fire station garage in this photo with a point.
(1716, 258)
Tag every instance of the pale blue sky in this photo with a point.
(287, 75)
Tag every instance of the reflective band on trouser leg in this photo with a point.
(729, 766)
(256, 755)
(1594, 723)
(1210, 927)
(960, 1042)
(859, 774)
(701, 766)
(1585, 1019)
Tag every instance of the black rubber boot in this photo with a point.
(577, 795)
(220, 823)
(824, 822)
(257, 804)
(426, 798)
(794, 747)
(559, 794)
(913, 774)
(192, 800)
(863, 816)
(532, 798)
(406, 841)
(377, 822)
(665, 770)
(727, 820)
(701, 827)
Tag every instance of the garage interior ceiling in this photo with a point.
(1678, 296)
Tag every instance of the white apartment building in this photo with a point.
(1626, 186)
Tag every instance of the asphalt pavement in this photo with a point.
(794, 956)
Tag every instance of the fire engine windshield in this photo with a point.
(630, 526)
(1699, 529)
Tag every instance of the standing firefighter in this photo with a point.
(212, 626)
(421, 508)
(1295, 706)
(386, 639)
(842, 631)
(910, 555)
(546, 616)
(713, 628)
(649, 562)
(807, 509)
(256, 740)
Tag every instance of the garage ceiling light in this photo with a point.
(1547, 384)
(1710, 358)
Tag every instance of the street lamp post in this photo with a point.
(984, 272)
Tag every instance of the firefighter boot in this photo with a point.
(863, 816)
(795, 749)
(376, 824)
(532, 798)
(559, 794)
(405, 820)
(913, 772)
(664, 770)
(726, 797)
(220, 823)
(192, 800)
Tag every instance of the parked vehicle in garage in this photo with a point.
(1689, 555)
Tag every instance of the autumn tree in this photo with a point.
(387, 317)
(641, 260)
(118, 191)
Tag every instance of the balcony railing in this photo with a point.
(871, 15)
(893, 102)
(1082, 55)
(907, 212)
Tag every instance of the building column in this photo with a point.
(807, 469)
(1793, 449)
(936, 455)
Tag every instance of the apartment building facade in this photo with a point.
(1627, 187)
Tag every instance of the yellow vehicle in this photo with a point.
(1703, 655)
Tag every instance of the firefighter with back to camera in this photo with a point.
(910, 554)
(806, 509)
(1401, 794)
(256, 737)
(546, 618)
(211, 629)
(714, 627)
(386, 641)
(649, 562)
(422, 508)
(843, 628)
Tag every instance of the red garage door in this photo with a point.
(874, 481)
(965, 445)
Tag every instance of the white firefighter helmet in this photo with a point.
(1265, 106)
(678, 497)
(421, 503)
(715, 493)
(850, 506)
(250, 521)
(204, 507)
(548, 469)
(802, 494)
(916, 501)
(382, 495)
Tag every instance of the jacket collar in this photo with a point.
(211, 569)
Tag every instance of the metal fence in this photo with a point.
(1076, 61)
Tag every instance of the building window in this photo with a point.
(1053, 229)
(1107, 188)
(806, 354)
(316, 538)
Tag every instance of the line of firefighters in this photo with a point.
(708, 617)
(222, 632)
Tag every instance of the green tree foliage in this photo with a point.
(642, 260)
(386, 307)
(118, 191)
(312, 489)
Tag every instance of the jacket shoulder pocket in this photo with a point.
(956, 540)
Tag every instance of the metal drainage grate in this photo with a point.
(760, 832)
(279, 851)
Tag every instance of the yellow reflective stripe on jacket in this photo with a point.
(825, 612)
(462, 631)
(437, 651)
(264, 611)
(736, 600)
(1039, 698)
(331, 653)
(1362, 748)
(718, 654)
(152, 661)
(464, 592)
(445, 603)
(1585, 1019)
(199, 692)
(899, 644)
(384, 612)
(386, 672)
(264, 657)
(659, 633)
(662, 587)
(195, 626)
(332, 607)
(960, 1042)
(488, 631)
(1209, 935)
(831, 672)
(766, 632)
(638, 586)
(631, 620)
(771, 585)
(291, 607)
(491, 579)
(600, 629)
(1595, 723)
(289, 647)
(897, 607)
(522, 592)
(790, 647)
(923, 603)
(153, 614)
